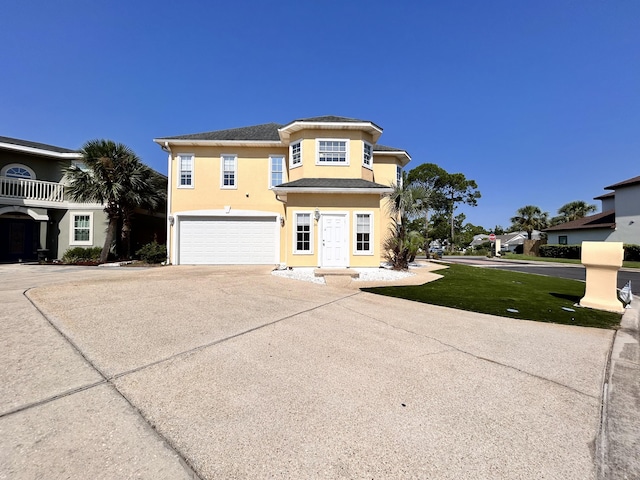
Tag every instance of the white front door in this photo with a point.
(334, 241)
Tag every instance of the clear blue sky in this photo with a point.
(538, 101)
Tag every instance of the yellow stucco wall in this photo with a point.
(309, 169)
(337, 203)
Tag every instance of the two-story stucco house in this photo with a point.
(37, 219)
(309, 193)
(619, 220)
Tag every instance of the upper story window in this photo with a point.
(399, 175)
(333, 152)
(229, 171)
(367, 154)
(295, 154)
(15, 170)
(80, 165)
(276, 170)
(185, 171)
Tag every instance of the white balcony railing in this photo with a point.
(31, 189)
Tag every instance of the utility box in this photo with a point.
(602, 260)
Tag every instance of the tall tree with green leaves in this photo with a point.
(529, 218)
(114, 176)
(430, 178)
(576, 209)
(457, 189)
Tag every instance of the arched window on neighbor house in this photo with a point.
(16, 170)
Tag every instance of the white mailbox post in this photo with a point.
(602, 260)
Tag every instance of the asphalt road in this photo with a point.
(575, 272)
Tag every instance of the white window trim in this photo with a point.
(370, 166)
(399, 175)
(235, 171)
(335, 164)
(355, 233)
(295, 233)
(291, 164)
(284, 170)
(72, 230)
(4, 170)
(179, 168)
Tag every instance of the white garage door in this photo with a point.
(228, 240)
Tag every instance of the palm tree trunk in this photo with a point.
(108, 241)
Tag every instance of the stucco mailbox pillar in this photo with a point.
(602, 260)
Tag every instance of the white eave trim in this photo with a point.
(404, 156)
(376, 191)
(286, 131)
(218, 143)
(38, 151)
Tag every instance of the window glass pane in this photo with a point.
(81, 226)
(296, 150)
(303, 232)
(229, 171)
(186, 163)
(363, 232)
(18, 172)
(277, 169)
(332, 151)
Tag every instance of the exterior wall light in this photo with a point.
(316, 214)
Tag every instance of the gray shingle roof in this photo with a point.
(332, 183)
(265, 131)
(40, 146)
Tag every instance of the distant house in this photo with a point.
(37, 219)
(618, 222)
(508, 241)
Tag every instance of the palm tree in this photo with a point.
(530, 218)
(116, 178)
(575, 210)
(404, 202)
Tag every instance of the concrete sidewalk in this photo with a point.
(214, 372)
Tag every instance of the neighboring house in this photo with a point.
(508, 241)
(618, 222)
(306, 194)
(37, 219)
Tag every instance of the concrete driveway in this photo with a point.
(229, 372)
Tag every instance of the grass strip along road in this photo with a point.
(506, 294)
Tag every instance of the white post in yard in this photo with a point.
(602, 260)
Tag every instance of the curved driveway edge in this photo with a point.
(619, 443)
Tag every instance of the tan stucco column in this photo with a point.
(602, 260)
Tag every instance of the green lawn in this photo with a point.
(485, 290)
(516, 256)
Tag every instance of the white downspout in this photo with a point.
(286, 236)
(170, 242)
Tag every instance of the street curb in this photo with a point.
(619, 437)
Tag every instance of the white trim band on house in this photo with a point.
(39, 151)
(377, 191)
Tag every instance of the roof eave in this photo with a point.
(293, 127)
(404, 157)
(185, 142)
(333, 190)
(39, 151)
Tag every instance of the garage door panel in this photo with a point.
(228, 240)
